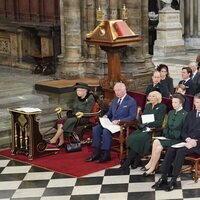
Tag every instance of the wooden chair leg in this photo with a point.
(121, 143)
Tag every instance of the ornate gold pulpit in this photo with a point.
(112, 36)
(26, 137)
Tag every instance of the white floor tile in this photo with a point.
(25, 193)
(62, 182)
(140, 187)
(113, 196)
(116, 179)
(16, 169)
(3, 163)
(56, 198)
(38, 176)
(190, 184)
(93, 189)
(162, 195)
(9, 185)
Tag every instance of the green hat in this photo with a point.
(81, 85)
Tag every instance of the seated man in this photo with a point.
(123, 108)
(157, 85)
(187, 81)
(191, 135)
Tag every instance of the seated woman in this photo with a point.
(187, 105)
(165, 78)
(172, 131)
(82, 103)
(139, 142)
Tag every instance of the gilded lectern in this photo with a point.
(112, 36)
(26, 137)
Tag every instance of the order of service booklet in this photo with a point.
(106, 123)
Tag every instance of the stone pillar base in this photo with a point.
(169, 34)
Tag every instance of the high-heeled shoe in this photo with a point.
(143, 169)
(145, 174)
(60, 145)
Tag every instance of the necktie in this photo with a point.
(118, 103)
(198, 114)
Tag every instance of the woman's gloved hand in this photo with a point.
(58, 110)
(79, 114)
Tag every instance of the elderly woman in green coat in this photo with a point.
(83, 103)
(172, 132)
(139, 142)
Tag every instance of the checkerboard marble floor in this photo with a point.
(23, 181)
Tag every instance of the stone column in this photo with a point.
(192, 24)
(73, 65)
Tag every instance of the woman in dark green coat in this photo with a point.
(83, 103)
(172, 132)
(139, 142)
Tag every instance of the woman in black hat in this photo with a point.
(83, 103)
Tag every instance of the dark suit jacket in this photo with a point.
(162, 88)
(191, 129)
(189, 86)
(126, 111)
(196, 82)
(168, 81)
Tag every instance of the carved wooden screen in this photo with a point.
(30, 11)
(23, 10)
(35, 13)
(2, 9)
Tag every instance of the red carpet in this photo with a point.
(67, 163)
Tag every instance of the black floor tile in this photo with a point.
(34, 184)
(141, 196)
(114, 171)
(89, 181)
(191, 193)
(140, 178)
(17, 163)
(85, 197)
(6, 193)
(12, 177)
(111, 188)
(58, 175)
(58, 191)
(38, 169)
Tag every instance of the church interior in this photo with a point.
(46, 47)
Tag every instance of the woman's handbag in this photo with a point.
(74, 143)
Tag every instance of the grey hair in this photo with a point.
(157, 94)
(120, 85)
(194, 64)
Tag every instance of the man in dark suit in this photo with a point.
(157, 86)
(191, 136)
(187, 81)
(123, 108)
(195, 76)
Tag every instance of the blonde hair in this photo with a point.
(157, 94)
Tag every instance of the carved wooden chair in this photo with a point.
(194, 167)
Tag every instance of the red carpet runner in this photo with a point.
(67, 163)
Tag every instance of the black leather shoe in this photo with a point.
(161, 182)
(92, 158)
(170, 186)
(104, 159)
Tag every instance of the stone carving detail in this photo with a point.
(4, 46)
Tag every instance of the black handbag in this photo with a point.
(74, 143)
